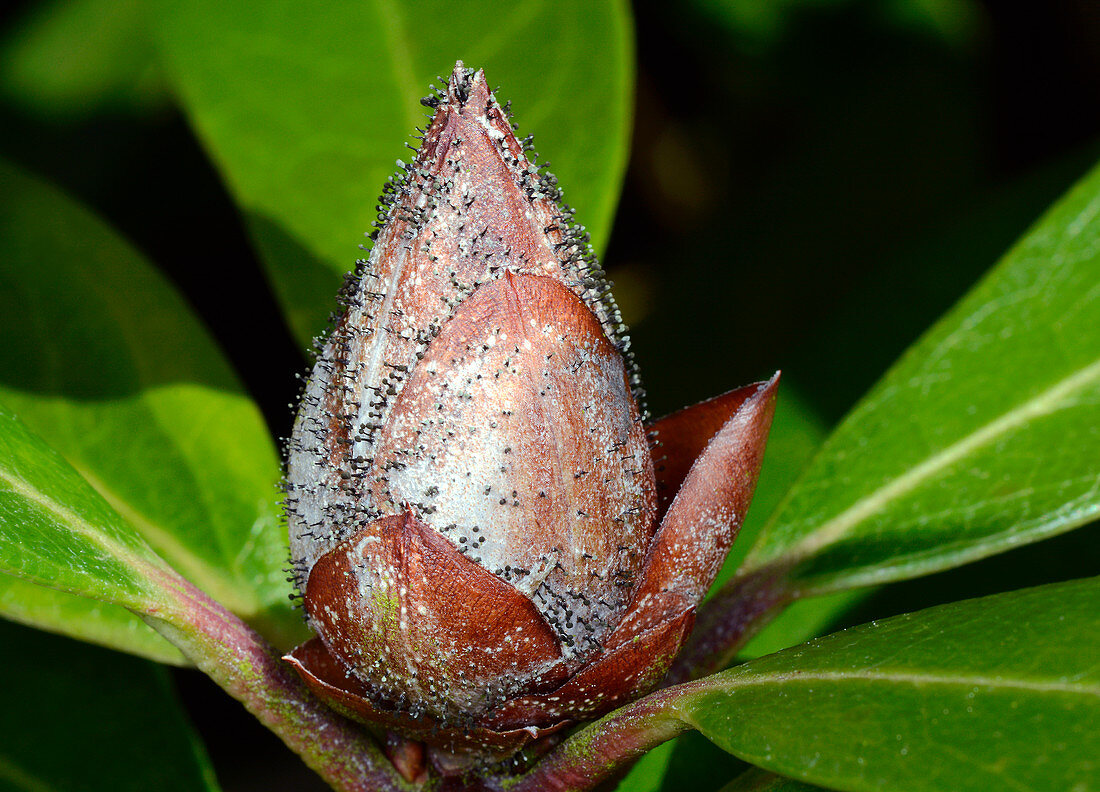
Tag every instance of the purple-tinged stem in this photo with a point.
(604, 750)
(240, 661)
(727, 621)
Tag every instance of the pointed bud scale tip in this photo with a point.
(471, 496)
(712, 500)
(475, 380)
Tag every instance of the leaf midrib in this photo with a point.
(838, 527)
(915, 679)
(77, 524)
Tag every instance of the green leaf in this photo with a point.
(647, 774)
(87, 619)
(756, 780)
(69, 58)
(759, 26)
(688, 762)
(1001, 692)
(305, 108)
(57, 531)
(101, 357)
(80, 719)
(802, 620)
(981, 438)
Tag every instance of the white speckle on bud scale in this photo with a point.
(476, 379)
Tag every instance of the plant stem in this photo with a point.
(242, 663)
(727, 621)
(606, 749)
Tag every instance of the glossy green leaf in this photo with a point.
(981, 438)
(648, 773)
(102, 358)
(89, 620)
(69, 58)
(688, 762)
(1063, 557)
(305, 108)
(802, 620)
(1001, 692)
(76, 718)
(759, 781)
(55, 530)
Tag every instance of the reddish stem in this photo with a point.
(727, 621)
(249, 669)
(606, 749)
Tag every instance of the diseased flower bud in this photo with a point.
(472, 496)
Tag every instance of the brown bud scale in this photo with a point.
(483, 543)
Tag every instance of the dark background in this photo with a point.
(811, 185)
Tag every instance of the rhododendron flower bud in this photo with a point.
(489, 541)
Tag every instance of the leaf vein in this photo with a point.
(1041, 404)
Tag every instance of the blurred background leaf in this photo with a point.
(103, 359)
(308, 129)
(757, 780)
(826, 198)
(82, 719)
(757, 25)
(68, 59)
(650, 770)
